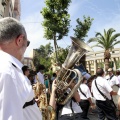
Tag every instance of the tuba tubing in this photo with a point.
(75, 87)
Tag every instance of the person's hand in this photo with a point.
(34, 86)
(72, 85)
(93, 106)
(54, 86)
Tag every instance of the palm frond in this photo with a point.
(96, 45)
(110, 31)
(105, 34)
(99, 35)
(117, 42)
(92, 40)
(115, 36)
(109, 35)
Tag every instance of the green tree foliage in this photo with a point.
(42, 56)
(107, 41)
(62, 54)
(82, 28)
(81, 31)
(56, 20)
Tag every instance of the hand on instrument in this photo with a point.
(54, 86)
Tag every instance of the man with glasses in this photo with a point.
(16, 95)
(112, 79)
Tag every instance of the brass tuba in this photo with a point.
(67, 74)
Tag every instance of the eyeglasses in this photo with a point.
(28, 43)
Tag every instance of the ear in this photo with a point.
(19, 40)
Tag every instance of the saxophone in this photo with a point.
(48, 113)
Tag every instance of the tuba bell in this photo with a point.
(67, 74)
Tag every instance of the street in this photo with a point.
(94, 116)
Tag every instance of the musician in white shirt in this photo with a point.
(16, 95)
(112, 79)
(85, 96)
(71, 110)
(105, 107)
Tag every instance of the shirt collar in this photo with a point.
(11, 59)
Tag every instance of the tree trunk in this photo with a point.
(107, 56)
(55, 45)
(106, 64)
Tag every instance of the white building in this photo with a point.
(10, 8)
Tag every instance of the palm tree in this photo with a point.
(107, 42)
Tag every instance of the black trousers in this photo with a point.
(105, 109)
(84, 104)
(69, 117)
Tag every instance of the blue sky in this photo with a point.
(106, 14)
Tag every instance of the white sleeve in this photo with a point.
(88, 92)
(11, 105)
(117, 81)
(118, 92)
(107, 86)
(92, 86)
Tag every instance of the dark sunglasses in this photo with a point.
(28, 43)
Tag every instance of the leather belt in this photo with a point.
(83, 100)
(71, 114)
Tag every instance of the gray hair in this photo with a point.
(10, 29)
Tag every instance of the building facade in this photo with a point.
(10, 8)
(29, 62)
(96, 59)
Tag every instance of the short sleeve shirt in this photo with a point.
(103, 86)
(119, 79)
(67, 109)
(113, 81)
(86, 91)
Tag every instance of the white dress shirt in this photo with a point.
(118, 92)
(15, 91)
(103, 86)
(113, 81)
(119, 79)
(86, 91)
(40, 77)
(67, 109)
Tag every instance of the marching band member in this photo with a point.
(112, 79)
(102, 92)
(16, 95)
(71, 110)
(85, 96)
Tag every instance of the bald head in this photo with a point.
(100, 72)
(10, 29)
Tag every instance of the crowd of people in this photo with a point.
(17, 98)
(85, 97)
